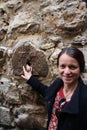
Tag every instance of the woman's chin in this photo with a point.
(68, 81)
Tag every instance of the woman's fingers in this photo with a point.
(28, 68)
(27, 72)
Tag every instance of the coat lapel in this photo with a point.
(73, 106)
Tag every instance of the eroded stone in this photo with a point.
(36, 58)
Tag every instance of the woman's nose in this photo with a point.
(67, 70)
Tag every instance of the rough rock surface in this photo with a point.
(35, 31)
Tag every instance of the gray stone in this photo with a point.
(5, 118)
(35, 30)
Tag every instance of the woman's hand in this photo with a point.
(27, 72)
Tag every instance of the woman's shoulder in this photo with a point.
(57, 82)
(83, 92)
(55, 85)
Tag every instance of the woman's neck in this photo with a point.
(68, 90)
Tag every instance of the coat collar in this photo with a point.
(73, 106)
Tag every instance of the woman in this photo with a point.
(67, 95)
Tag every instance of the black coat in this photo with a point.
(74, 115)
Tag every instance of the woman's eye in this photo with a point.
(62, 66)
(73, 67)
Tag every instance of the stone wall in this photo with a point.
(35, 31)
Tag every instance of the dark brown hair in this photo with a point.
(74, 53)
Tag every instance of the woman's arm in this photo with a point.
(32, 81)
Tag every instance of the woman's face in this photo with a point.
(69, 69)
